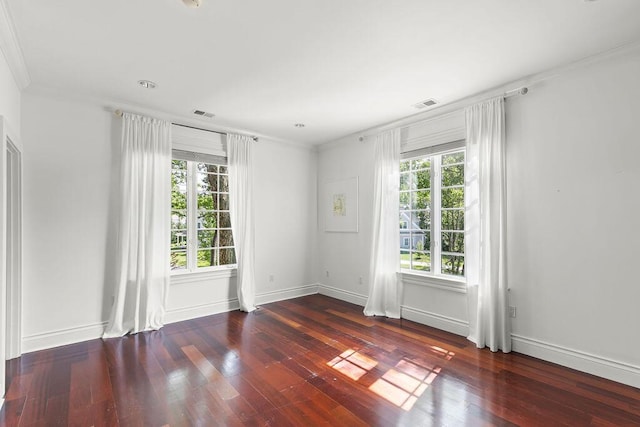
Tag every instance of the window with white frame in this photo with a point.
(432, 214)
(201, 236)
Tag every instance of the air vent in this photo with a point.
(425, 104)
(203, 114)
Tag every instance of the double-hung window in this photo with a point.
(432, 214)
(201, 237)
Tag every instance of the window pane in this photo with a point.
(421, 179)
(453, 198)
(421, 261)
(178, 239)
(207, 238)
(226, 238)
(453, 175)
(420, 220)
(224, 202)
(421, 199)
(419, 242)
(223, 169)
(453, 241)
(207, 182)
(179, 220)
(421, 164)
(404, 259)
(205, 167)
(405, 218)
(404, 166)
(207, 258)
(225, 220)
(224, 183)
(227, 256)
(207, 200)
(449, 159)
(405, 199)
(178, 260)
(404, 181)
(207, 219)
(453, 265)
(453, 220)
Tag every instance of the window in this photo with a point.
(432, 214)
(201, 235)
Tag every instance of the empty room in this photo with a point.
(338, 213)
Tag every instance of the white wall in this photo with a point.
(573, 201)
(346, 256)
(573, 175)
(9, 97)
(70, 204)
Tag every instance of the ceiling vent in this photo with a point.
(203, 114)
(425, 104)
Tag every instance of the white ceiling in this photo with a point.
(339, 66)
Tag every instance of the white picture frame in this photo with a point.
(340, 206)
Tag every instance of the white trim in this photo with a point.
(179, 277)
(341, 294)
(438, 321)
(621, 372)
(62, 337)
(444, 284)
(193, 312)
(10, 46)
(14, 254)
(285, 294)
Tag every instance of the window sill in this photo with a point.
(180, 277)
(451, 284)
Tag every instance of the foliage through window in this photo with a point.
(432, 214)
(200, 223)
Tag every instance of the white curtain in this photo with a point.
(142, 261)
(485, 219)
(385, 289)
(239, 150)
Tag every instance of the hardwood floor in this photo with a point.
(307, 361)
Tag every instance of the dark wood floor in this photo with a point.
(307, 361)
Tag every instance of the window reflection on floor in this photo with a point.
(401, 385)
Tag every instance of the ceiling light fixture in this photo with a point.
(299, 125)
(147, 84)
(192, 3)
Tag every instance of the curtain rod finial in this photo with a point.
(118, 113)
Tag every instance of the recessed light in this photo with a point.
(147, 84)
(299, 125)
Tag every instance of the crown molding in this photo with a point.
(10, 47)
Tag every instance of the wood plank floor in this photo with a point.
(308, 361)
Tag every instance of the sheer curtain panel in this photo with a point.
(385, 288)
(485, 219)
(142, 261)
(239, 150)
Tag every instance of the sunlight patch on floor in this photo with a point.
(353, 364)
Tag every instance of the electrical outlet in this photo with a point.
(512, 311)
(360, 280)
(327, 273)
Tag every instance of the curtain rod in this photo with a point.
(255, 138)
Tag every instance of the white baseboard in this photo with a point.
(61, 337)
(438, 321)
(193, 312)
(284, 294)
(343, 295)
(606, 368)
